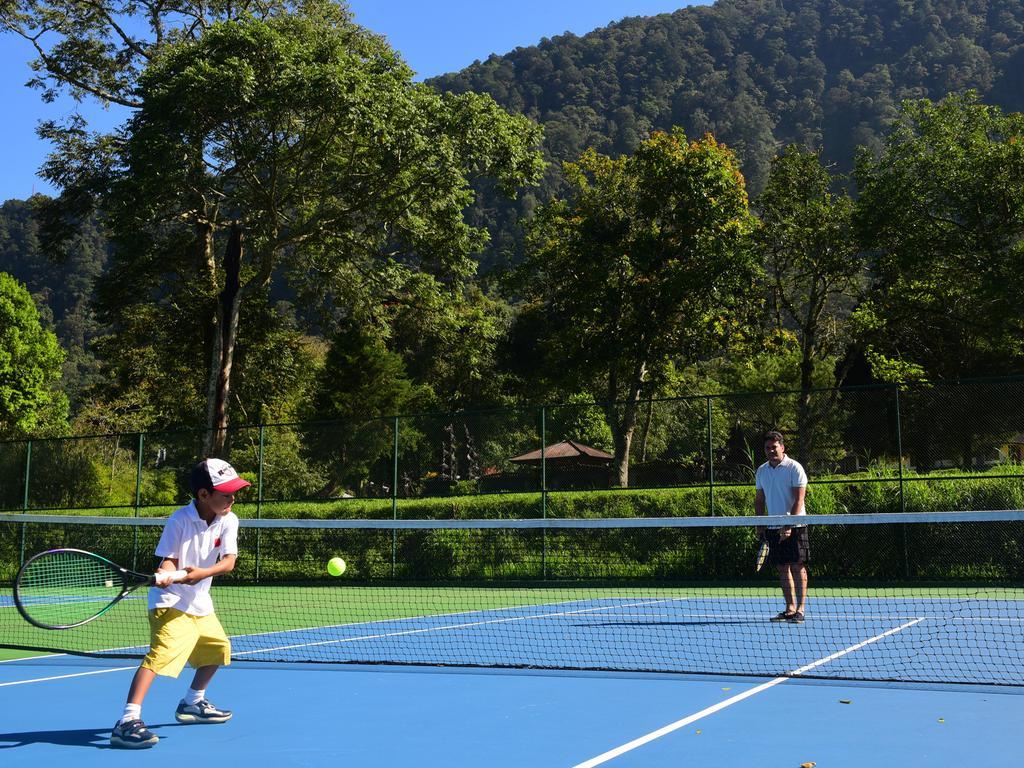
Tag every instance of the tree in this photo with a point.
(811, 259)
(361, 383)
(299, 147)
(942, 212)
(100, 49)
(30, 366)
(646, 262)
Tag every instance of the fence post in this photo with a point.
(899, 447)
(543, 491)
(711, 464)
(24, 499)
(394, 498)
(28, 475)
(259, 496)
(899, 465)
(138, 498)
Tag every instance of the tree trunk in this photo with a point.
(225, 331)
(623, 430)
(623, 439)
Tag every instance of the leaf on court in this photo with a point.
(727, 689)
(698, 731)
(942, 719)
(807, 765)
(845, 701)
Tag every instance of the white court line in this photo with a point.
(64, 677)
(850, 618)
(639, 742)
(440, 628)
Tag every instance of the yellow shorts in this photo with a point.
(177, 637)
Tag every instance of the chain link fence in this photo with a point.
(925, 447)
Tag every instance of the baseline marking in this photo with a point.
(64, 677)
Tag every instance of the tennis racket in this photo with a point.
(762, 555)
(64, 588)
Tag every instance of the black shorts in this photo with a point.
(795, 549)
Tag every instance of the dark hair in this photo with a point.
(199, 478)
(775, 437)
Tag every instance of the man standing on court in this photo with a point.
(781, 485)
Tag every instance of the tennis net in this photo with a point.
(914, 597)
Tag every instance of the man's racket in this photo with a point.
(64, 588)
(762, 555)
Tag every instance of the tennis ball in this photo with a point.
(335, 566)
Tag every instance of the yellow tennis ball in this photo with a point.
(335, 566)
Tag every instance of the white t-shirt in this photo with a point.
(189, 540)
(779, 484)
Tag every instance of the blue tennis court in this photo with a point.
(538, 645)
(59, 708)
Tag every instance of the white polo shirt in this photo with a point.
(779, 484)
(189, 540)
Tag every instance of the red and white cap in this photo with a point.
(216, 474)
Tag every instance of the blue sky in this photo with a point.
(434, 37)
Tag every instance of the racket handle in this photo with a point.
(172, 576)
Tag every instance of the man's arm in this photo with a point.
(798, 503)
(798, 499)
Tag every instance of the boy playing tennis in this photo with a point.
(202, 539)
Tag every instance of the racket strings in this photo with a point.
(65, 588)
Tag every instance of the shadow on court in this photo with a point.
(93, 738)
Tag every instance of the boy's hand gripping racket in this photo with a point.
(64, 588)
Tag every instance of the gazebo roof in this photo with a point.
(567, 450)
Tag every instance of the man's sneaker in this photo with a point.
(796, 618)
(201, 712)
(784, 616)
(132, 734)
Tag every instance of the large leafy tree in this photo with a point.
(942, 211)
(294, 148)
(814, 272)
(30, 366)
(646, 261)
(98, 49)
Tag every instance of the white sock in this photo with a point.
(194, 697)
(131, 712)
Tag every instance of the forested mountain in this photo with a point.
(758, 74)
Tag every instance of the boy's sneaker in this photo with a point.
(132, 734)
(201, 712)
